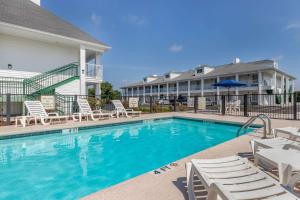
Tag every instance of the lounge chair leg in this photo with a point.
(285, 173)
(190, 183)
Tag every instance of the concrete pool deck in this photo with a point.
(171, 183)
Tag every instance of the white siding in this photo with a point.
(17, 74)
(72, 88)
(32, 55)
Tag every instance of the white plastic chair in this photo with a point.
(85, 110)
(233, 178)
(120, 109)
(37, 110)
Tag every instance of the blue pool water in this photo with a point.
(70, 166)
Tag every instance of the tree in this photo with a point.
(108, 93)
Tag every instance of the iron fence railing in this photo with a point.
(277, 106)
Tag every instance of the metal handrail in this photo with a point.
(265, 124)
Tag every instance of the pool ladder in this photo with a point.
(266, 124)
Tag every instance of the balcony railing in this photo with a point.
(183, 88)
(94, 71)
(172, 89)
(163, 90)
(195, 87)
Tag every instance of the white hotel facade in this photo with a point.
(261, 77)
(34, 42)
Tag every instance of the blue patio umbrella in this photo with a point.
(229, 84)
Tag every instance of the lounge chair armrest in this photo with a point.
(53, 114)
(129, 109)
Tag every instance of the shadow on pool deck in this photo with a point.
(181, 185)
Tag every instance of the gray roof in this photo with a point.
(222, 70)
(27, 14)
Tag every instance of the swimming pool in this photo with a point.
(65, 165)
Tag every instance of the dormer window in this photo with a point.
(145, 79)
(200, 71)
(167, 76)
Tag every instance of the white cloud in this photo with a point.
(175, 48)
(295, 25)
(96, 19)
(135, 20)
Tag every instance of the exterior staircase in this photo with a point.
(46, 83)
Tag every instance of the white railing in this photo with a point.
(94, 71)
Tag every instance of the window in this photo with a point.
(167, 76)
(145, 79)
(199, 71)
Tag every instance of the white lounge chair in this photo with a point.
(120, 109)
(285, 160)
(277, 142)
(292, 132)
(234, 178)
(85, 110)
(37, 110)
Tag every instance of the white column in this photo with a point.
(202, 87)
(236, 89)
(82, 72)
(274, 82)
(151, 90)
(127, 93)
(144, 94)
(218, 89)
(158, 91)
(167, 90)
(282, 90)
(132, 92)
(99, 74)
(293, 85)
(189, 88)
(177, 89)
(287, 89)
(260, 82)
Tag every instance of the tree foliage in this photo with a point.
(107, 92)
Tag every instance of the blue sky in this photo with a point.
(153, 37)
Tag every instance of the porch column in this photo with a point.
(260, 82)
(202, 87)
(287, 87)
(218, 91)
(98, 74)
(144, 94)
(282, 90)
(177, 89)
(189, 88)
(151, 90)
(82, 72)
(158, 91)
(275, 82)
(132, 92)
(167, 90)
(236, 88)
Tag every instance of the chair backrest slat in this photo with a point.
(84, 106)
(36, 109)
(118, 105)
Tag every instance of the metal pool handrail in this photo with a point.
(265, 124)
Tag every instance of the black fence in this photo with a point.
(277, 106)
